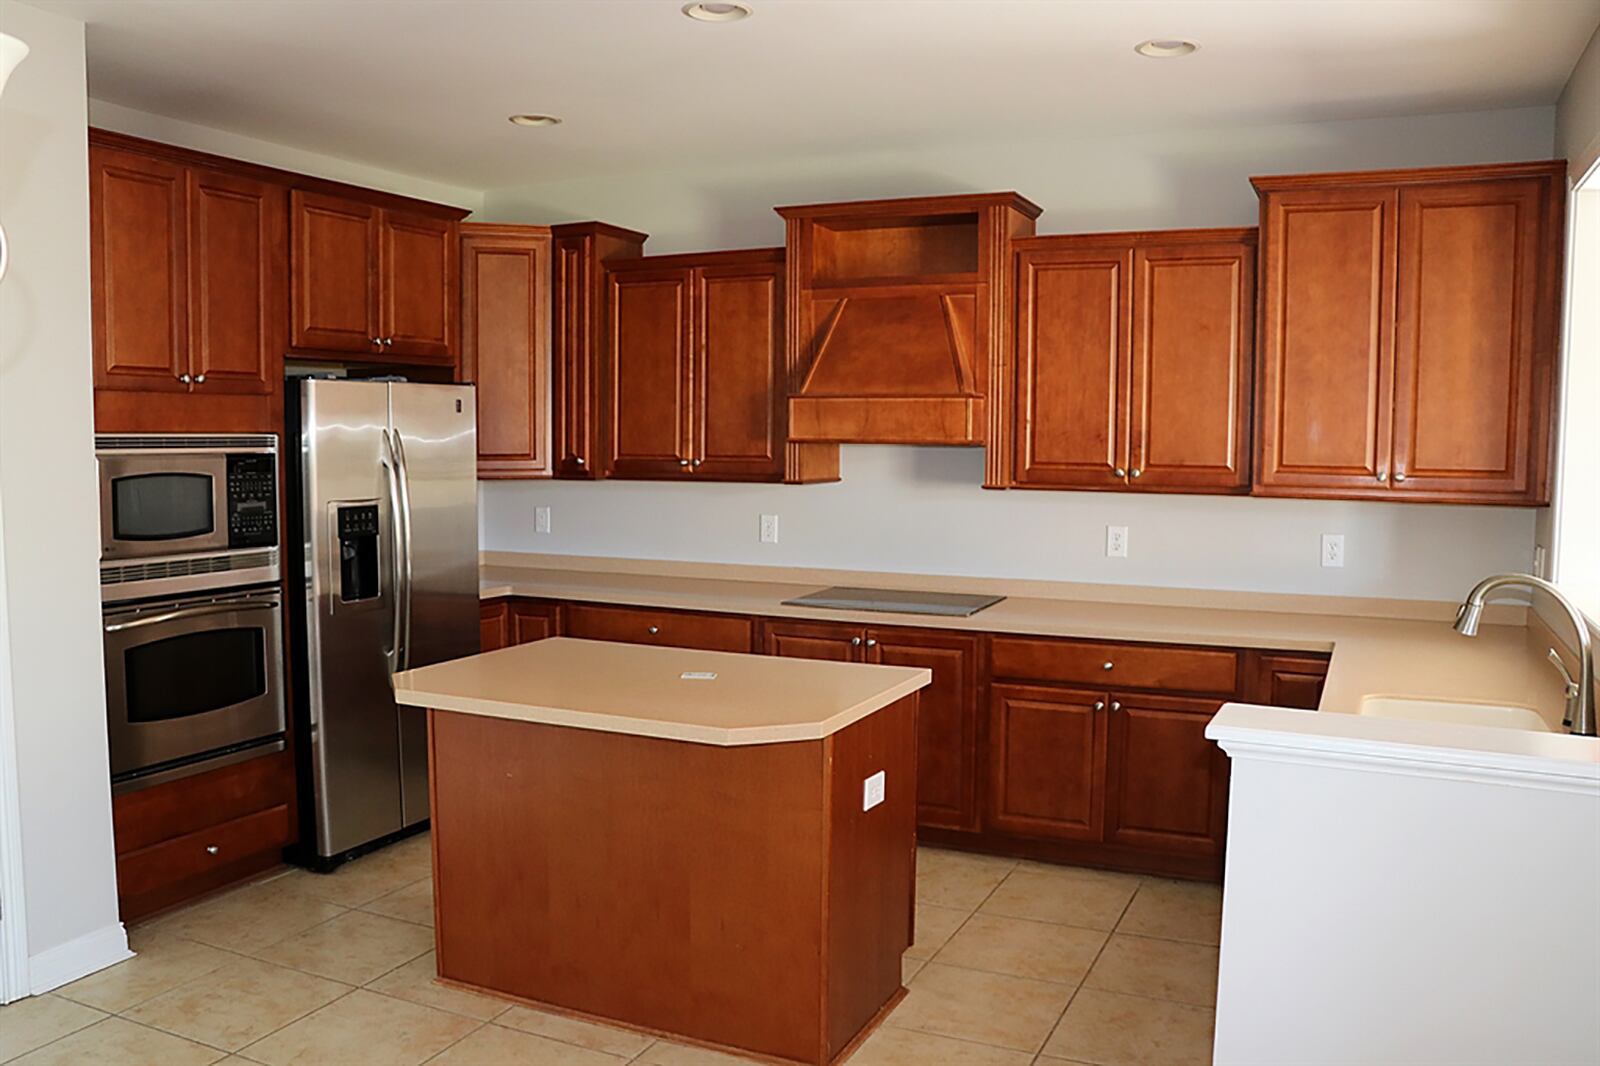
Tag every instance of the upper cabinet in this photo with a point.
(373, 281)
(188, 289)
(505, 345)
(693, 371)
(580, 250)
(901, 319)
(1408, 333)
(1133, 361)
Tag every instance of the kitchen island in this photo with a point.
(714, 846)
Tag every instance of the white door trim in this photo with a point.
(14, 982)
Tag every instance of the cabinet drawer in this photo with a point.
(671, 629)
(190, 858)
(161, 812)
(1105, 665)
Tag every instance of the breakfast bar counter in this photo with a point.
(715, 846)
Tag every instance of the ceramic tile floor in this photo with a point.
(1015, 964)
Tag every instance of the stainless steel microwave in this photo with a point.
(186, 512)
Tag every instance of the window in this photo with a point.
(1576, 511)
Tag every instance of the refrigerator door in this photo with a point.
(350, 611)
(435, 434)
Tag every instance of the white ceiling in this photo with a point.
(424, 86)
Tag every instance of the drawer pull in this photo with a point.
(1099, 705)
(871, 643)
(212, 849)
(855, 642)
(1108, 664)
(653, 630)
(1115, 706)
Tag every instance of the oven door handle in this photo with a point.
(226, 607)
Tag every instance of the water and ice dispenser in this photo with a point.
(358, 552)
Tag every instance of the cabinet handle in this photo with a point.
(683, 462)
(1383, 475)
(697, 462)
(184, 378)
(871, 643)
(653, 630)
(378, 341)
(199, 379)
(1399, 475)
(1138, 471)
(388, 342)
(855, 642)
(1121, 472)
(1099, 705)
(212, 849)
(578, 460)
(1115, 706)
(1108, 664)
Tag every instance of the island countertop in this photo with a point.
(660, 692)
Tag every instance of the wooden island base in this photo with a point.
(732, 896)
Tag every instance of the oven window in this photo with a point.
(194, 673)
(161, 506)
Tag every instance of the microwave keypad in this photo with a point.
(252, 501)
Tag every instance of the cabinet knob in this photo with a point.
(1121, 472)
(1115, 706)
(1108, 664)
(1138, 471)
(1399, 475)
(388, 342)
(378, 341)
(1383, 475)
(579, 460)
(184, 378)
(199, 379)
(1099, 705)
(697, 462)
(653, 630)
(683, 462)
(871, 643)
(855, 642)
(212, 849)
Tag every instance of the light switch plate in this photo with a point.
(541, 519)
(769, 529)
(872, 791)
(1333, 549)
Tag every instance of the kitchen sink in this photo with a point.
(1494, 715)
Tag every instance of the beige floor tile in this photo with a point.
(362, 880)
(415, 982)
(907, 1047)
(669, 1053)
(1164, 969)
(118, 1042)
(1110, 1029)
(413, 903)
(249, 919)
(356, 947)
(584, 1034)
(1176, 910)
(35, 1021)
(237, 1004)
(495, 1046)
(957, 879)
(360, 1028)
(1023, 948)
(989, 1008)
(935, 925)
(162, 963)
(909, 968)
(1069, 895)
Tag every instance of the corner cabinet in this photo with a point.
(373, 281)
(580, 250)
(1133, 361)
(1408, 340)
(692, 376)
(505, 345)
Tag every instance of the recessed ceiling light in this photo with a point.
(535, 120)
(1165, 49)
(706, 11)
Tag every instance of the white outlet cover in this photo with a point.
(769, 529)
(541, 519)
(1117, 542)
(872, 791)
(1333, 549)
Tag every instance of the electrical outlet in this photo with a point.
(1539, 557)
(769, 529)
(541, 519)
(1117, 542)
(1333, 549)
(872, 791)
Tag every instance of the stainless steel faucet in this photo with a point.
(1580, 694)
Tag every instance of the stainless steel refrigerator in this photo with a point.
(386, 477)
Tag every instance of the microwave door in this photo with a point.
(162, 504)
(351, 531)
(434, 431)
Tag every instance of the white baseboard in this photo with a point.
(77, 958)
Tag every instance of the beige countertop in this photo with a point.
(1379, 647)
(660, 692)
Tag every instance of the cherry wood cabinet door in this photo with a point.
(1166, 784)
(575, 413)
(1280, 680)
(1466, 350)
(739, 398)
(1047, 750)
(947, 720)
(238, 282)
(647, 377)
(505, 345)
(139, 260)
(1327, 340)
(531, 622)
(335, 273)
(494, 626)
(1072, 366)
(1193, 332)
(814, 640)
(418, 268)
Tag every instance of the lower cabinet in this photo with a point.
(668, 629)
(502, 623)
(1047, 753)
(1279, 679)
(1166, 784)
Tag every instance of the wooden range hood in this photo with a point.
(899, 323)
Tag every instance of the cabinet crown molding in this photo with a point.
(914, 205)
(1540, 168)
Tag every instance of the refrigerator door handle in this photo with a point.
(397, 536)
(405, 593)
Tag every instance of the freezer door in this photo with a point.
(350, 612)
(435, 431)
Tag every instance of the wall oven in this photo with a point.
(193, 683)
(185, 512)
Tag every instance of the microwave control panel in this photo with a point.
(252, 501)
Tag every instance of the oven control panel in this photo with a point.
(252, 501)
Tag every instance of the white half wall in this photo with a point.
(920, 509)
(49, 529)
